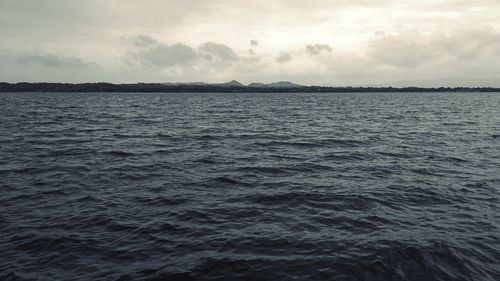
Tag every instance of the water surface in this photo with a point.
(372, 186)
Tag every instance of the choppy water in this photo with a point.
(374, 186)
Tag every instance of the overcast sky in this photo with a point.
(325, 42)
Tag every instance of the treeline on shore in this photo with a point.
(186, 88)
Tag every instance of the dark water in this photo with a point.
(250, 186)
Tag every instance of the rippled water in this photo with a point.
(373, 186)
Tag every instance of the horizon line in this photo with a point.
(233, 84)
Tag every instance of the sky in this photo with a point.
(320, 42)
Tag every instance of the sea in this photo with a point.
(250, 186)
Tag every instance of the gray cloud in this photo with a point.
(219, 51)
(168, 55)
(316, 49)
(254, 43)
(401, 51)
(39, 67)
(151, 52)
(48, 60)
(284, 57)
(414, 49)
(42, 16)
(252, 59)
(145, 41)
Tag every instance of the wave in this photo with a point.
(255, 187)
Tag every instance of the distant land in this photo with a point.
(229, 87)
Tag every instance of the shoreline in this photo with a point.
(214, 88)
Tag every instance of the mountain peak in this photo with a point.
(232, 83)
(280, 84)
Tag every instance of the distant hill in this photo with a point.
(235, 83)
(232, 83)
(281, 84)
(185, 83)
(229, 87)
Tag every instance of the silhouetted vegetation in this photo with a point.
(215, 88)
